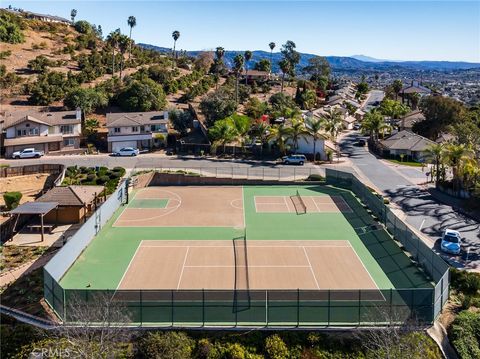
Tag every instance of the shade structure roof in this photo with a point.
(35, 208)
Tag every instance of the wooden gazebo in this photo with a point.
(34, 208)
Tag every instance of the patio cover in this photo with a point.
(40, 208)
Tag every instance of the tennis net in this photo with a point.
(299, 204)
(242, 282)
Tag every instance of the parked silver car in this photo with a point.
(127, 151)
(294, 160)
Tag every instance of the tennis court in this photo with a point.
(225, 265)
(301, 204)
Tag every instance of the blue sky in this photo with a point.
(395, 30)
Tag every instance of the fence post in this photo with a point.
(328, 311)
(141, 307)
(359, 305)
(266, 308)
(391, 306)
(203, 307)
(298, 307)
(171, 306)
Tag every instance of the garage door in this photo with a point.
(118, 145)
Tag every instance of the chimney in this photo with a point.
(165, 115)
(78, 114)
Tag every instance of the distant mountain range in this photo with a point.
(342, 63)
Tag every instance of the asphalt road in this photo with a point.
(422, 211)
(214, 166)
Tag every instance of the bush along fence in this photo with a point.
(256, 308)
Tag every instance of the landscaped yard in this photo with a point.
(407, 163)
(14, 256)
(94, 176)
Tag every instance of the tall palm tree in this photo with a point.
(113, 39)
(285, 67)
(297, 131)
(238, 62)
(123, 45)
(436, 154)
(175, 35)
(73, 14)
(271, 46)
(222, 133)
(219, 54)
(397, 87)
(132, 22)
(333, 126)
(248, 56)
(314, 128)
(241, 124)
(280, 133)
(374, 123)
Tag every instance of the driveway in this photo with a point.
(422, 211)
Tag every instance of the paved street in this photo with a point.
(422, 211)
(213, 166)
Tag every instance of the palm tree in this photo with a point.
(280, 133)
(333, 126)
(262, 131)
(436, 154)
(222, 133)
(132, 22)
(124, 43)
(297, 131)
(241, 124)
(457, 156)
(175, 35)
(374, 123)
(73, 14)
(248, 56)
(271, 46)
(314, 127)
(397, 86)
(285, 67)
(219, 54)
(113, 39)
(238, 62)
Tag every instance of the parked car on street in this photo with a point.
(127, 151)
(357, 126)
(294, 160)
(451, 241)
(27, 153)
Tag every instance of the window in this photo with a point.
(134, 128)
(116, 130)
(33, 131)
(19, 133)
(68, 142)
(66, 129)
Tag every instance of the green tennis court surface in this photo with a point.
(105, 261)
(148, 203)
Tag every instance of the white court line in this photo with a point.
(311, 269)
(421, 226)
(315, 203)
(129, 264)
(130, 198)
(183, 267)
(250, 246)
(286, 203)
(250, 266)
(360, 259)
(243, 209)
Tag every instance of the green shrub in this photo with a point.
(10, 28)
(464, 334)
(119, 169)
(113, 175)
(102, 179)
(465, 282)
(276, 347)
(12, 199)
(91, 177)
(83, 169)
(315, 177)
(169, 345)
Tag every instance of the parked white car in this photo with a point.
(294, 160)
(451, 241)
(127, 151)
(27, 153)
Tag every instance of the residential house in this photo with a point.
(348, 122)
(359, 114)
(74, 203)
(406, 143)
(410, 119)
(255, 75)
(51, 132)
(414, 88)
(142, 130)
(40, 17)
